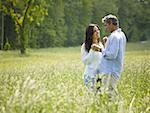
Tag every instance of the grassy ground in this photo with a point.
(50, 81)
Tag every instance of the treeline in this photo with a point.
(50, 23)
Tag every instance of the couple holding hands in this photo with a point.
(103, 57)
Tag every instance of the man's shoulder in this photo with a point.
(118, 35)
(114, 36)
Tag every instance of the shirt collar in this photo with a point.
(117, 30)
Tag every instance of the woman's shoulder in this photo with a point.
(83, 44)
(83, 47)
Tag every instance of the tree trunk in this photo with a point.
(2, 41)
(22, 42)
(22, 28)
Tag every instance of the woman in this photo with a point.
(91, 54)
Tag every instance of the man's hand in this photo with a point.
(104, 39)
(96, 47)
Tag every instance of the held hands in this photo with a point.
(96, 47)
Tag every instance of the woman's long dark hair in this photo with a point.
(88, 38)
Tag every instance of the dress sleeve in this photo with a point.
(87, 57)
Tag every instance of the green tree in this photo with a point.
(52, 32)
(84, 17)
(71, 20)
(23, 13)
(134, 19)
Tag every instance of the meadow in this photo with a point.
(50, 81)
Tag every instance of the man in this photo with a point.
(113, 55)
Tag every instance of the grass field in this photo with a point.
(50, 81)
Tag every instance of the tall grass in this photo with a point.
(50, 81)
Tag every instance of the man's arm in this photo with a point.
(111, 51)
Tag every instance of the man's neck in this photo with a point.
(115, 28)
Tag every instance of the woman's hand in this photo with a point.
(96, 47)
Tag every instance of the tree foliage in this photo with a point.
(23, 13)
(66, 20)
(134, 19)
